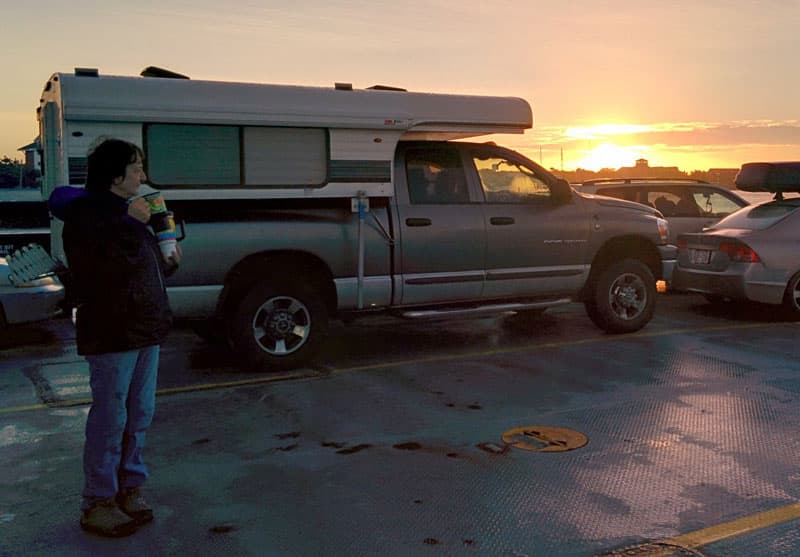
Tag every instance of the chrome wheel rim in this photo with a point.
(628, 296)
(281, 325)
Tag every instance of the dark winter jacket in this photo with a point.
(117, 273)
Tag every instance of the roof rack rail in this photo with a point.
(155, 71)
(387, 88)
(632, 180)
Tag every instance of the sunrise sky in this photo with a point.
(696, 84)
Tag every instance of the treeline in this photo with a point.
(723, 177)
(13, 174)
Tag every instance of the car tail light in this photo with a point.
(737, 251)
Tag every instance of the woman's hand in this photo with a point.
(175, 258)
(139, 209)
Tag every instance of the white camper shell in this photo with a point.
(209, 139)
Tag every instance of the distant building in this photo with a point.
(722, 176)
(642, 169)
(31, 155)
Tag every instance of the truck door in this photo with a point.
(536, 245)
(442, 232)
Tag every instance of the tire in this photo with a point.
(278, 326)
(623, 297)
(791, 299)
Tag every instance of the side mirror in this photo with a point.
(562, 191)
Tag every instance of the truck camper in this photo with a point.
(302, 204)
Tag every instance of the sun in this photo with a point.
(608, 155)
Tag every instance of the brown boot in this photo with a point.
(132, 503)
(105, 518)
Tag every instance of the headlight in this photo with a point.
(663, 229)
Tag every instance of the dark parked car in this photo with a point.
(24, 219)
(688, 205)
(752, 254)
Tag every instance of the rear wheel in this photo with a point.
(279, 326)
(623, 297)
(791, 299)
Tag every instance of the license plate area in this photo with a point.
(699, 256)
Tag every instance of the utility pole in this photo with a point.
(562, 159)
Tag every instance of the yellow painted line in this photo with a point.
(557, 344)
(168, 391)
(13, 409)
(744, 525)
(397, 363)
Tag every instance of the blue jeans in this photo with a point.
(123, 401)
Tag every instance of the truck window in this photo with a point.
(506, 181)
(629, 194)
(435, 177)
(715, 204)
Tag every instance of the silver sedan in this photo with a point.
(750, 255)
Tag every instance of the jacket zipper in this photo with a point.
(158, 268)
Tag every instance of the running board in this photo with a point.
(481, 310)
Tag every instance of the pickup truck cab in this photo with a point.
(300, 205)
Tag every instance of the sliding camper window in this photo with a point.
(193, 155)
(199, 155)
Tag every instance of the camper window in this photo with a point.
(285, 156)
(197, 155)
(184, 155)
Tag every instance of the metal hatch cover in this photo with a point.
(544, 439)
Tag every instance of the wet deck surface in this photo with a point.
(392, 443)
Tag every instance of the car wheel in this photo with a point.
(791, 299)
(623, 297)
(278, 326)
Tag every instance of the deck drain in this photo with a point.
(544, 439)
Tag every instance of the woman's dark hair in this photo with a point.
(108, 161)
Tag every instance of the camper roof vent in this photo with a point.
(154, 71)
(387, 88)
(86, 72)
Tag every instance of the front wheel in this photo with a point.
(279, 327)
(623, 297)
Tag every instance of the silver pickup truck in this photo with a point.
(471, 229)
(302, 204)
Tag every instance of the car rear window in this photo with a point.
(760, 217)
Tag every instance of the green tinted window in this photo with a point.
(193, 155)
